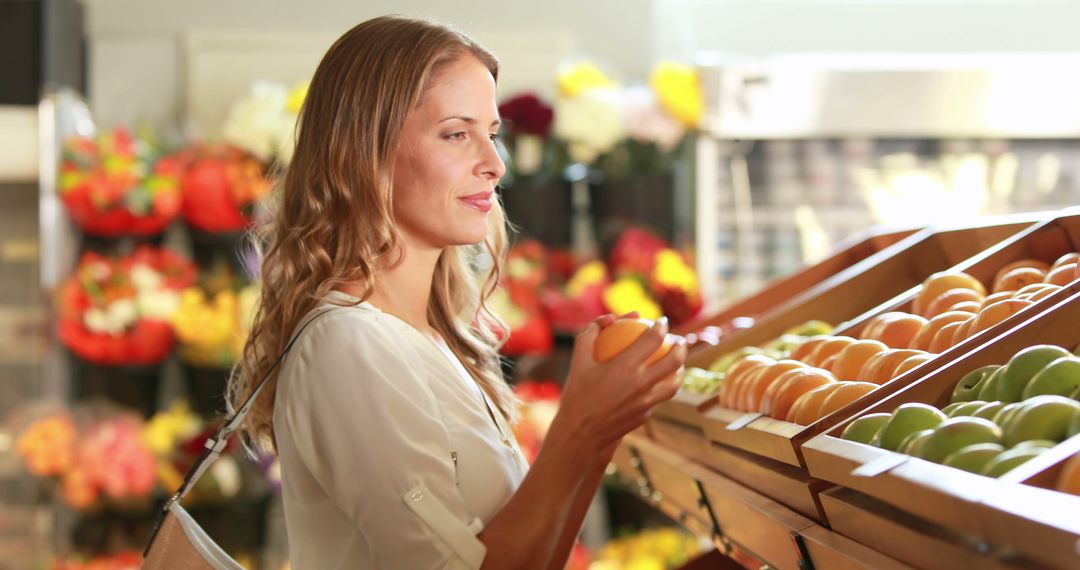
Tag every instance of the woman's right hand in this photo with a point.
(605, 401)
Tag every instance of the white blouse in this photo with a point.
(389, 455)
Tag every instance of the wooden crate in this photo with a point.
(832, 551)
(846, 254)
(782, 441)
(1040, 524)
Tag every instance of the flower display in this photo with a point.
(116, 310)
(658, 549)
(123, 560)
(577, 78)
(212, 329)
(264, 122)
(47, 446)
(115, 185)
(591, 123)
(679, 90)
(648, 122)
(221, 187)
(527, 122)
(539, 402)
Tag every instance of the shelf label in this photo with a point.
(743, 421)
(880, 465)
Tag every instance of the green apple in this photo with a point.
(1076, 352)
(914, 442)
(864, 429)
(1074, 427)
(1010, 459)
(1042, 417)
(1061, 377)
(1075, 394)
(967, 388)
(948, 410)
(906, 420)
(989, 410)
(966, 409)
(974, 457)
(786, 343)
(1043, 443)
(1006, 413)
(956, 433)
(724, 362)
(811, 328)
(988, 387)
(1023, 367)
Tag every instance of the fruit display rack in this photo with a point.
(790, 495)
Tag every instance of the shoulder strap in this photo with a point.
(217, 442)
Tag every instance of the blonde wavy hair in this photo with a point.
(333, 221)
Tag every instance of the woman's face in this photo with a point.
(446, 166)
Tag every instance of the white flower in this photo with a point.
(261, 123)
(158, 304)
(646, 120)
(123, 313)
(145, 277)
(113, 319)
(591, 123)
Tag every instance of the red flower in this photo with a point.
(527, 114)
(635, 252)
(220, 188)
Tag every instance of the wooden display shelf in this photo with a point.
(782, 441)
(847, 253)
(1038, 523)
(831, 551)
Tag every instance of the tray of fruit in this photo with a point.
(771, 406)
(977, 446)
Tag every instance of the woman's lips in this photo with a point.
(481, 202)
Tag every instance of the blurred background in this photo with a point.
(666, 156)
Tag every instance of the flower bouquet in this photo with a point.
(114, 185)
(539, 404)
(652, 279)
(221, 188)
(264, 122)
(116, 310)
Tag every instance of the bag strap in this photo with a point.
(216, 443)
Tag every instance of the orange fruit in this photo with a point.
(734, 375)
(943, 340)
(951, 297)
(963, 331)
(843, 396)
(851, 359)
(827, 349)
(1000, 296)
(1064, 274)
(966, 306)
(873, 327)
(1069, 480)
(1023, 263)
(879, 369)
(790, 387)
(804, 410)
(829, 362)
(736, 397)
(1072, 257)
(750, 397)
(1047, 290)
(941, 282)
(616, 337)
(997, 312)
(801, 351)
(1018, 278)
(911, 362)
(922, 340)
(899, 331)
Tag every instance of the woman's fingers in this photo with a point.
(669, 364)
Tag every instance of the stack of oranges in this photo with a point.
(826, 373)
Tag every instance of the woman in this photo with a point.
(390, 415)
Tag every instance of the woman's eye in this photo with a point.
(494, 137)
(456, 136)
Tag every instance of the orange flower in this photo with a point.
(47, 446)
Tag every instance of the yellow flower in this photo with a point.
(671, 271)
(679, 90)
(295, 100)
(627, 294)
(165, 428)
(580, 77)
(589, 274)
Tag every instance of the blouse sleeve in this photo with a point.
(369, 430)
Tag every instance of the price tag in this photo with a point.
(880, 465)
(743, 421)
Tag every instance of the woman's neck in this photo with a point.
(405, 290)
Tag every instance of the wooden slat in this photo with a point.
(832, 551)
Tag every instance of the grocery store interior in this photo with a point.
(863, 216)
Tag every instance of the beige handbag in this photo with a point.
(178, 542)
